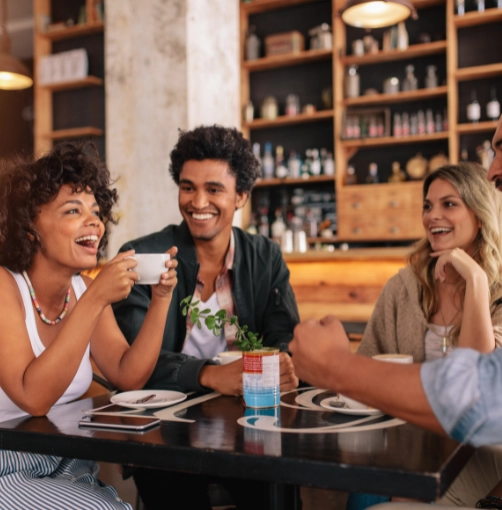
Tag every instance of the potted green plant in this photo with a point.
(260, 365)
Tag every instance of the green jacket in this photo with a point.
(263, 298)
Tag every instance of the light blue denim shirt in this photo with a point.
(465, 393)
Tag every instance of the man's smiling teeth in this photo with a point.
(87, 239)
(197, 216)
(439, 230)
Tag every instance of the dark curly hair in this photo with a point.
(26, 185)
(219, 143)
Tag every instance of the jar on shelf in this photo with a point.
(269, 108)
(431, 79)
(410, 82)
(352, 88)
(292, 104)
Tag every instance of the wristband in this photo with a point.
(490, 502)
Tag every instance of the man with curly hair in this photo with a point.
(223, 267)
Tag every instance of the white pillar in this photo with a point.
(170, 65)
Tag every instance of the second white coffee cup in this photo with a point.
(150, 267)
(395, 358)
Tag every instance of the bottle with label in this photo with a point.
(439, 122)
(278, 226)
(430, 126)
(350, 176)
(493, 106)
(410, 82)
(263, 225)
(294, 165)
(473, 108)
(315, 164)
(372, 128)
(268, 162)
(281, 170)
(406, 124)
(421, 122)
(352, 87)
(414, 124)
(253, 44)
(372, 177)
(397, 128)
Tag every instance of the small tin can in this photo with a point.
(261, 377)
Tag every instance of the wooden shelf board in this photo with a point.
(477, 127)
(281, 182)
(291, 59)
(332, 239)
(74, 31)
(478, 72)
(470, 19)
(424, 4)
(88, 81)
(284, 120)
(392, 140)
(257, 6)
(75, 133)
(400, 97)
(416, 50)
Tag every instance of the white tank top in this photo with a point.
(83, 377)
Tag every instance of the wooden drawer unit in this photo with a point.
(380, 212)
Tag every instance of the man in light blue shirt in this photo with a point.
(460, 395)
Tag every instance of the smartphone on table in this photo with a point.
(130, 423)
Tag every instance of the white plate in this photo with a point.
(326, 403)
(163, 398)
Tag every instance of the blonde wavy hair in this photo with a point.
(481, 197)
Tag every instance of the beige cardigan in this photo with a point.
(398, 324)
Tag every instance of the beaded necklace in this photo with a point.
(37, 306)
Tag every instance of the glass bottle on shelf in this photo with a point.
(481, 5)
(315, 164)
(431, 79)
(329, 165)
(439, 122)
(292, 105)
(464, 154)
(493, 106)
(294, 165)
(460, 7)
(372, 129)
(253, 44)
(352, 87)
(406, 124)
(350, 176)
(421, 122)
(397, 128)
(430, 126)
(278, 226)
(414, 124)
(356, 128)
(249, 112)
(402, 36)
(263, 225)
(372, 177)
(281, 170)
(473, 108)
(256, 152)
(410, 81)
(268, 162)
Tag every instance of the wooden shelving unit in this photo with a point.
(479, 72)
(261, 183)
(258, 6)
(304, 57)
(46, 101)
(284, 120)
(399, 97)
(81, 132)
(392, 140)
(88, 81)
(478, 127)
(470, 19)
(413, 51)
(73, 31)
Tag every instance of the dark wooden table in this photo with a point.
(314, 447)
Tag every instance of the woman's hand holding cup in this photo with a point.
(168, 279)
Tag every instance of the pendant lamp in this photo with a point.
(377, 13)
(14, 75)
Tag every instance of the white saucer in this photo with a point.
(326, 403)
(163, 398)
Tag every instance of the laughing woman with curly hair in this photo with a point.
(53, 214)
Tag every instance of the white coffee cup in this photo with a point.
(395, 358)
(229, 356)
(150, 267)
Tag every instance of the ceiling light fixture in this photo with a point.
(376, 13)
(14, 75)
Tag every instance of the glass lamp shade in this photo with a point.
(14, 75)
(376, 13)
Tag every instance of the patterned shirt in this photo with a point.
(223, 289)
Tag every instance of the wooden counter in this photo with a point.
(343, 283)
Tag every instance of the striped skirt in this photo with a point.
(31, 481)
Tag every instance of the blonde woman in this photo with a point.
(448, 296)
